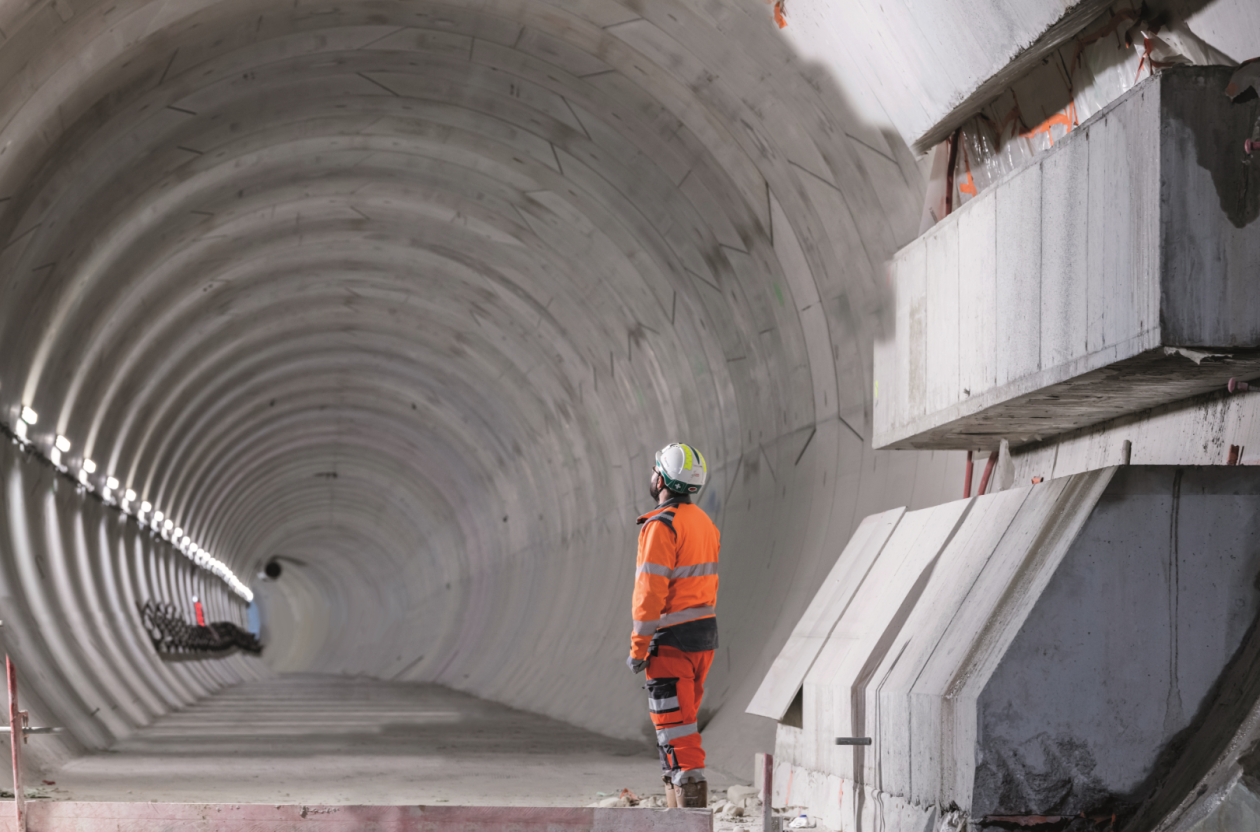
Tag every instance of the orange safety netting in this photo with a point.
(780, 13)
(1054, 97)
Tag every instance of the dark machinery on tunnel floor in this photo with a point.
(171, 634)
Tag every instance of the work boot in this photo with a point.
(694, 794)
(671, 796)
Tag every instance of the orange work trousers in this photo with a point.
(675, 685)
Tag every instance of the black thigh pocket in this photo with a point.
(662, 695)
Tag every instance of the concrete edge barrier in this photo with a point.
(74, 816)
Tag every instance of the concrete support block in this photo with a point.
(1115, 274)
(1074, 646)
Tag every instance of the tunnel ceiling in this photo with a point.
(408, 293)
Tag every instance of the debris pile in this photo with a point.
(740, 810)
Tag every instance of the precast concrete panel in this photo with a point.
(846, 579)
(900, 662)
(1035, 666)
(835, 690)
(909, 706)
(1114, 271)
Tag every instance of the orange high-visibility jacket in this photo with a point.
(676, 576)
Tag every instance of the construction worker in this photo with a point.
(675, 628)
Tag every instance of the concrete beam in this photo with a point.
(1113, 275)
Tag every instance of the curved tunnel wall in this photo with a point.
(71, 579)
(408, 294)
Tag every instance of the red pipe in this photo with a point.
(988, 471)
(967, 483)
(16, 738)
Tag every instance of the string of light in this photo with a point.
(126, 500)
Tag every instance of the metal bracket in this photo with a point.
(23, 719)
(20, 718)
(28, 730)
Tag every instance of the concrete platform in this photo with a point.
(230, 817)
(328, 740)
(1114, 275)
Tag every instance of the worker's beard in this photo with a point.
(655, 487)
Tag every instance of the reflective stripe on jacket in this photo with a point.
(676, 574)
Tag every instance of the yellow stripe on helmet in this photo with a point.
(687, 457)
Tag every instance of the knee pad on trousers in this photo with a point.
(669, 759)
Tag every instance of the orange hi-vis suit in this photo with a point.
(675, 595)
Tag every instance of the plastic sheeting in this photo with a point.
(1109, 57)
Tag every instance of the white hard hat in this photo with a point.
(682, 467)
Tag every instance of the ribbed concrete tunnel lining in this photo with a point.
(407, 294)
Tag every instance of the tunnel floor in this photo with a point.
(336, 740)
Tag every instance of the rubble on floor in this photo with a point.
(33, 793)
(741, 810)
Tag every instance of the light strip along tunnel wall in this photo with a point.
(407, 294)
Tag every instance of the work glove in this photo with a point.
(636, 665)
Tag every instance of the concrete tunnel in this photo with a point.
(403, 297)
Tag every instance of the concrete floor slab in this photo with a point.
(337, 741)
(234, 817)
